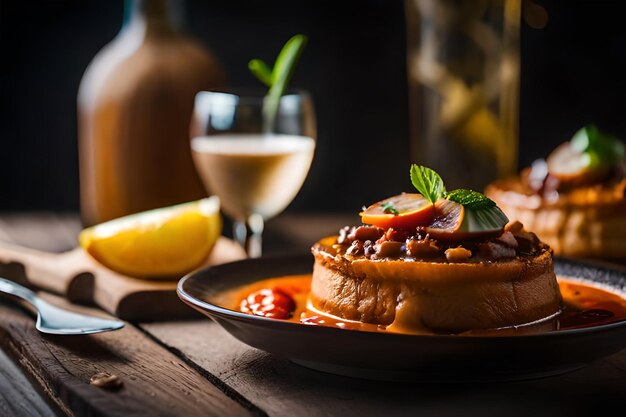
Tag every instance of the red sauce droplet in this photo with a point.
(274, 303)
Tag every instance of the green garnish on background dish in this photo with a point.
(599, 148)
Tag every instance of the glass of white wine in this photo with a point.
(255, 171)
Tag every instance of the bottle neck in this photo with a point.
(154, 16)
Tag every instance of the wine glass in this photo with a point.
(254, 165)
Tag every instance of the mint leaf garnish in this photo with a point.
(427, 182)
(598, 147)
(470, 199)
(389, 208)
(278, 77)
(481, 213)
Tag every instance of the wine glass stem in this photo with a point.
(249, 234)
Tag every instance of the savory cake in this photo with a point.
(439, 260)
(575, 199)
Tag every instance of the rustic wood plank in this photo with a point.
(280, 387)
(79, 278)
(155, 382)
(17, 396)
(64, 273)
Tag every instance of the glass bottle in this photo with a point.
(134, 108)
(463, 73)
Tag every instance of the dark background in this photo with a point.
(572, 70)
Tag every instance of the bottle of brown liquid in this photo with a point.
(134, 107)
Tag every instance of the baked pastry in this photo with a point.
(575, 199)
(443, 261)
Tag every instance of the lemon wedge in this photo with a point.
(162, 243)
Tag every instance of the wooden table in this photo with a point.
(193, 367)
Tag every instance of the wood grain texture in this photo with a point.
(279, 386)
(68, 273)
(155, 382)
(17, 397)
(204, 350)
(80, 279)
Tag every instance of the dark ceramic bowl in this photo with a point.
(385, 356)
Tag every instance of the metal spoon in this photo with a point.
(55, 320)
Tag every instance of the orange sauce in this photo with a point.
(584, 305)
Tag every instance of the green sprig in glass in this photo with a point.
(254, 152)
(278, 77)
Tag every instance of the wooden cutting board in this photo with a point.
(79, 278)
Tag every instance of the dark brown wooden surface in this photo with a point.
(17, 397)
(155, 382)
(277, 386)
(79, 278)
(196, 357)
(48, 375)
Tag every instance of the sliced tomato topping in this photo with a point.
(403, 211)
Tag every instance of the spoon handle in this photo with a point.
(10, 287)
(55, 320)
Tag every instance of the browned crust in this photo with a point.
(441, 296)
(512, 191)
(589, 224)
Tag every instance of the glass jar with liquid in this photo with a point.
(463, 72)
(134, 108)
